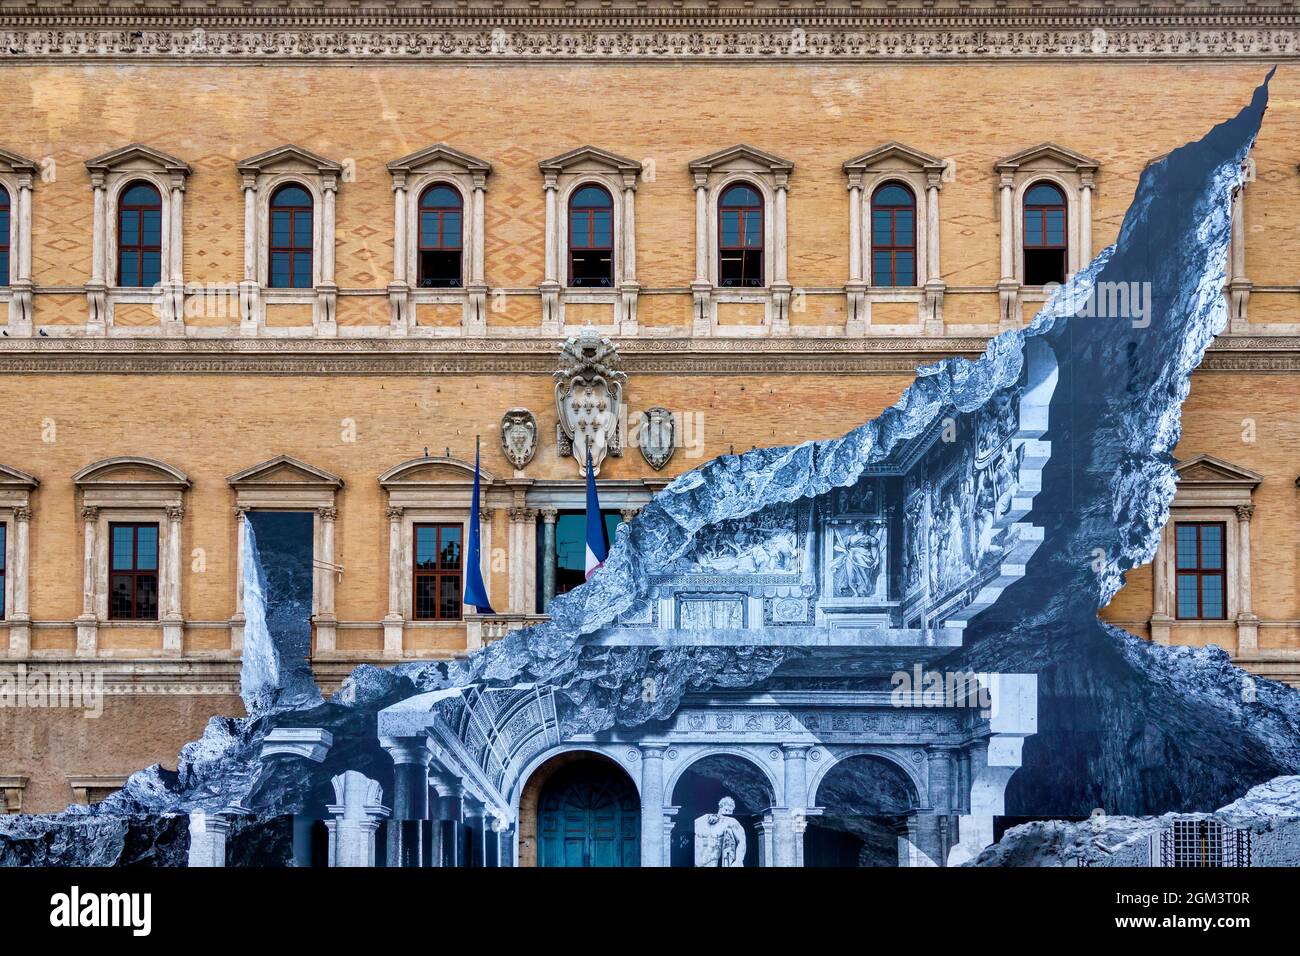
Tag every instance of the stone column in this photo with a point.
(476, 831)
(1247, 622)
(174, 290)
(87, 625)
(521, 562)
(249, 288)
(172, 622)
(411, 759)
(766, 833)
(789, 829)
(476, 253)
(855, 228)
(97, 287)
(451, 815)
(779, 231)
(505, 842)
(652, 806)
(327, 292)
(491, 842)
(1161, 619)
(551, 283)
(399, 289)
(549, 560)
(237, 619)
(629, 230)
(940, 788)
(20, 632)
(20, 308)
(1085, 219)
(701, 286)
(326, 623)
(358, 808)
(394, 623)
(1008, 285)
(934, 284)
(208, 832)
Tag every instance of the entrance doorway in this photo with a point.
(588, 814)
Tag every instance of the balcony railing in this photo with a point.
(483, 629)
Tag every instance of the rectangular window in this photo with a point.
(1200, 570)
(133, 572)
(438, 581)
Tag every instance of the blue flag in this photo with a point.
(475, 592)
(597, 549)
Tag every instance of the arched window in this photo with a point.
(1044, 240)
(441, 219)
(591, 238)
(740, 237)
(4, 236)
(893, 236)
(291, 238)
(139, 237)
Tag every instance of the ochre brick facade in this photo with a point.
(213, 423)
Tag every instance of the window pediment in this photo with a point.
(13, 163)
(138, 158)
(12, 478)
(433, 472)
(1046, 156)
(284, 471)
(288, 158)
(1207, 470)
(741, 158)
(131, 472)
(440, 156)
(894, 156)
(589, 159)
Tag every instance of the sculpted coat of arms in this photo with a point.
(656, 435)
(519, 436)
(589, 399)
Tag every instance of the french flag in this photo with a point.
(597, 549)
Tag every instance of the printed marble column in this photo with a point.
(940, 786)
(475, 833)
(505, 838)
(87, 625)
(358, 809)
(172, 623)
(393, 620)
(208, 832)
(20, 631)
(652, 806)
(549, 569)
(451, 815)
(326, 623)
(1247, 621)
(789, 823)
(411, 759)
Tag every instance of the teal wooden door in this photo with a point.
(589, 815)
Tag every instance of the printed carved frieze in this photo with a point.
(589, 400)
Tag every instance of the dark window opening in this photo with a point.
(4, 237)
(441, 238)
(740, 238)
(291, 239)
(133, 572)
(139, 237)
(4, 542)
(591, 239)
(438, 558)
(570, 549)
(893, 236)
(1044, 242)
(1200, 571)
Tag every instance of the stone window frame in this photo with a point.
(444, 499)
(770, 176)
(1210, 490)
(16, 488)
(110, 175)
(11, 793)
(285, 483)
(562, 176)
(1075, 175)
(89, 789)
(262, 175)
(412, 175)
(923, 174)
(17, 176)
(108, 498)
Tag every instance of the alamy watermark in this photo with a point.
(71, 689)
(1126, 301)
(922, 688)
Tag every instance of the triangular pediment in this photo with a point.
(13, 478)
(131, 470)
(1046, 156)
(1202, 469)
(137, 156)
(14, 163)
(439, 154)
(287, 156)
(894, 155)
(433, 470)
(589, 157)
(741, 156)
(284, 470)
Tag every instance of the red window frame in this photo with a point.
(437, 573)
(135, 572)
(744, 214)
(139, 247)
(893, 247)
(1200, 572)
(439, 215)
(6, 220)
(588, 242)
(292, 250)
(1040, 210)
